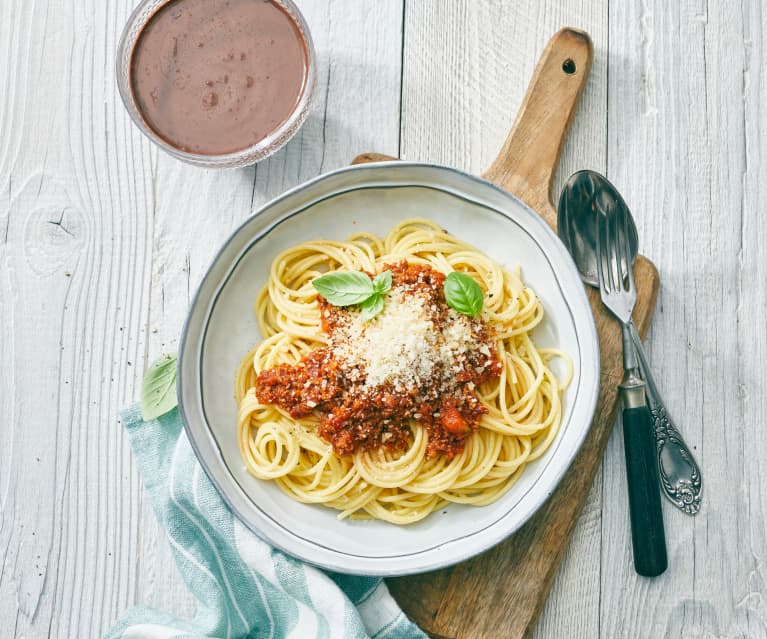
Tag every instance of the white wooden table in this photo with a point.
(103, 240)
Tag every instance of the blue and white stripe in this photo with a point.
(245, 588)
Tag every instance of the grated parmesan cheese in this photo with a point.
(402, 346)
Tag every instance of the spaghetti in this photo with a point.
(420, 456)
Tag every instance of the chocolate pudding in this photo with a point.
(218, 76)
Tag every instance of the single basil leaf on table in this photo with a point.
(158, 390)
(463, 294)
(344, 288)
(382, 282)
(371, 307)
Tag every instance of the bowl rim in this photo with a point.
(267, 146)
(499, 533)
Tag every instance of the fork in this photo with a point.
(618, 291)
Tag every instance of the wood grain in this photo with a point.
(507, 586)
(466, 68)
(687, 90)
(74, 282)
(196, 209)
(94, 227)
(529, 157)
(102, 242)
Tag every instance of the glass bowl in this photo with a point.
(141, 15)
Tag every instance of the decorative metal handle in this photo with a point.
(678, 471)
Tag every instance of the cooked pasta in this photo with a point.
(518, 414)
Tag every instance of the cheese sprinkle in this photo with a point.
(403, 346)
(418, 362)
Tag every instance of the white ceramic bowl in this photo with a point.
(221, 327)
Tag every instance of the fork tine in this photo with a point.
(612, 243)
(602, 252)
(627, 272)
(628, 266)
(622, 250)
(600, 249)
(603, 238)
(616, 278)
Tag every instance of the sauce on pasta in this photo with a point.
(362, 417)
(356, 415)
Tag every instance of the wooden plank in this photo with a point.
(85, 203)
(465, 73)
(749, 575)
(686, 122)
(506, 587)
(356, 106)
(75, 218)
(686, 138)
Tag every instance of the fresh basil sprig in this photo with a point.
(371, 307)
(158, 391)
(463, 294)
(346, 288)
(382, 282)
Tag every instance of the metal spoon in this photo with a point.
(584, 196)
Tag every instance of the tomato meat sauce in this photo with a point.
(355, 416)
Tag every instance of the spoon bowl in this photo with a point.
(584, 195)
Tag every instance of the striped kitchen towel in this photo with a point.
(244, 587)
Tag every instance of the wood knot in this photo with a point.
(52, 235)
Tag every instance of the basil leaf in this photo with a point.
(371, 307)
(344, 288)
(382, 282)
(158, 391)
(463, 294)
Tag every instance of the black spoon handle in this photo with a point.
(647, 532)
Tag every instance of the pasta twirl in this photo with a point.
(523, 404)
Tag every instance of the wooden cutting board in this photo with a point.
(501, 592)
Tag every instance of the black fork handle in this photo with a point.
(647, 532)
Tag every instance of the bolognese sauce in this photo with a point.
(418, 361)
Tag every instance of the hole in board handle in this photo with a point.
(568, 66)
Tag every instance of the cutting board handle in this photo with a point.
(528, 158)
